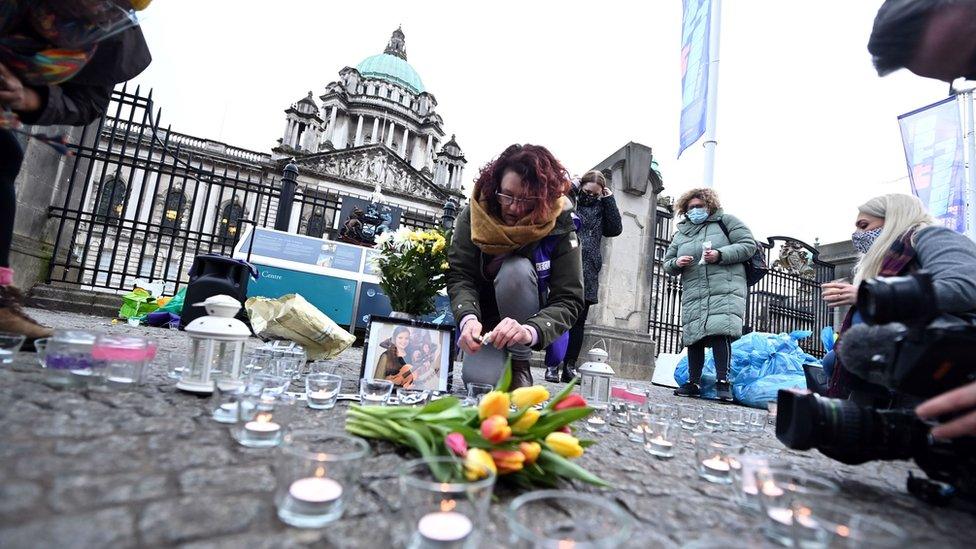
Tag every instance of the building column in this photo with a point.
(375, 138)
(359, 132)
(389, 134)
(286, 138)
(403, 145)
(460, 178)
(429, 151)
(332, 123)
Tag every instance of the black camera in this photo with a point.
(915, 352)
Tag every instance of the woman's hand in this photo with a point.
(684, 261)
(712, 256)
(957, 400)
(510, 332)
(838, 294)
(470, 340)
(14, 95)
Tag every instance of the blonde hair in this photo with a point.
(901, 213)
(708, 196)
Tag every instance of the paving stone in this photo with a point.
(167, 474)
(107, 528)
(73, 493)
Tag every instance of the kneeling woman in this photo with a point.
(515, 261)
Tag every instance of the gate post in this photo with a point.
(289, 183)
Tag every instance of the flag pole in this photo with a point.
(711, 107)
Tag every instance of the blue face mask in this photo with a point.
(697, 215)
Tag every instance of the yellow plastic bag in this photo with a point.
(292, 317)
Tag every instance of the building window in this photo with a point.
(230, 221)
(111, 199)
(316, 224)
(102, 269)
(173, 208)
(146, 267)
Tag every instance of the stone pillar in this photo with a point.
(332, 123)
(429, 151)
(389, 134)
(403, 145)
(375, 138)
(460, 179)
(626, 281)
(359, 132)
(289, 127)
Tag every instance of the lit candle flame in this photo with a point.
(843, 531)
(263, 418)
(319, 472)
(448, 505)
(566, 544)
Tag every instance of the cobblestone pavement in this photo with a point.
(150, 468)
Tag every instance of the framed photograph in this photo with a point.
(411, 353)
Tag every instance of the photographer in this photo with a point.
(897, 237)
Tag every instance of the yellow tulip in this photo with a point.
(527, 420)
(531, 451)
(565, 445)
(445, 266)
(139, 5)
(438, 245)
(529, 396)
(495, 403)
(475, 463)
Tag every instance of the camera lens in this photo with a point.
(896, 299)
(804, 421)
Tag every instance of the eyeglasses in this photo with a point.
(508, 200)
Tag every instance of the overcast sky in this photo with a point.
(806, 129)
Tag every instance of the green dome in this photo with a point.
(392, 69)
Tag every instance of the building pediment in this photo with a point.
(371, 165)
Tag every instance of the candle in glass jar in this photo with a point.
(445, 526)
(659, 447)
(717, 466)
(315, 490)
(262, 427)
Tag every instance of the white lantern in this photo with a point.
(216, 344)
(595, 378)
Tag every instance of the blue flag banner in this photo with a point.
(933, 142)
(694, 71)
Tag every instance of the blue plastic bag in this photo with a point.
(761, 364)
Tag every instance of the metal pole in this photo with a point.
(970, 136)
(289, 183)
(711, 107)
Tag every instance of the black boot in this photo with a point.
(724, 390)
(521, 374)
(552, 373)
(569, 371)
(689, 389)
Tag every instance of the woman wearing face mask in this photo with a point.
(896, 236)
(516, 274)
(600, 218)
(708, 251)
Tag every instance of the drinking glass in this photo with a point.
(317, 474)
(9, 345)
(780, 489)
(322, 390)
(375, 392)
(714, 456)
(441, 507)
(561, 518)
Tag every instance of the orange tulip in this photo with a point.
(495, 403)
(495, 429)
(531, 451)
(508, 461)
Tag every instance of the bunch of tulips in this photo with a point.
(524, 436)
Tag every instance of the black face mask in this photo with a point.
(586, 199)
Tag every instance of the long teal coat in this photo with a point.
(713, 299)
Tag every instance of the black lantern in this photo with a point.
(449, 215)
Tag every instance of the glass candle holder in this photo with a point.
(640, 421)
(560, 518)
(441, 508)
(780, 489)
(660, 438)
(9, 346)
(375, 392)
(68, 358)
(737, 419)
(664, 411)
(412, 397)
(226, 398)
(714, 457)
(122, 359)
(317, 474)
(322, 367)
(40, 348)
(771, 407)
(271, 383)
(597, 421)
(690, 416)
(619, 408)
(322, 390)
(262, 418)
(745, 467)
(288, 366)
(256, 362)
(823, 524)
(477, 390)
(715, 419)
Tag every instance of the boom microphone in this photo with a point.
(866, 351)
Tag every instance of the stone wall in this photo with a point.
(844, 257)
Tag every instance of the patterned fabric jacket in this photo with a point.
(599, 220)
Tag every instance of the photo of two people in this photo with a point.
(411, 356)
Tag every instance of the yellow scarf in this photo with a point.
(494, 237)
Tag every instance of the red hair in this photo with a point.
(543, 175)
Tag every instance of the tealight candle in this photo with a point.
(716, 469)
(659, 447)
(262, 427)
(320, 398)
(444, 528)
(317, 490)
(596, 424)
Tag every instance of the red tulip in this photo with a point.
(573, 400)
